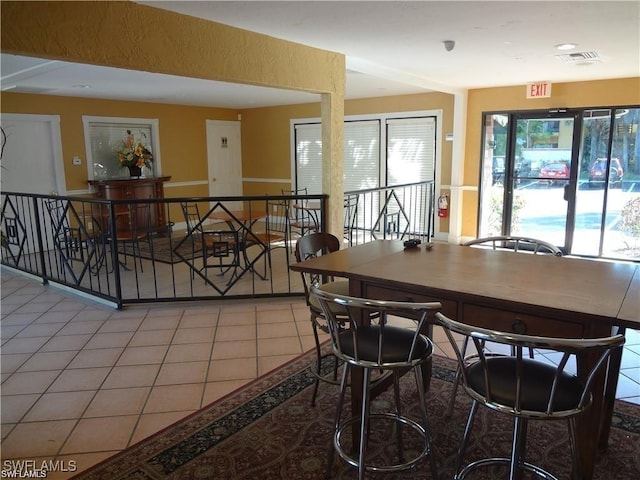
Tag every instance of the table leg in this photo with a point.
(588, 424)
(613, 372)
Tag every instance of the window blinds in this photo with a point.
(410, 150)
(361, 156)
(410, 155)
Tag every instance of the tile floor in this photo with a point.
(82, 381)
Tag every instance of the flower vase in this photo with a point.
(135, 171)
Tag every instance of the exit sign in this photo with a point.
(539, 90)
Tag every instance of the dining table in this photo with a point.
(514, 292)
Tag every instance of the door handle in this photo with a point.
(565, 195)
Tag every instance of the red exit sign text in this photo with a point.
(539, 90)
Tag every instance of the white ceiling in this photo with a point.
(392, 47)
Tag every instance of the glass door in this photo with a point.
(607, 220)
(532, 161)
(571, 178)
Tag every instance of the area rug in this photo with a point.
(268, 430)
(164, 249)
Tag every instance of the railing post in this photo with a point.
(114, 255)
(36, 213)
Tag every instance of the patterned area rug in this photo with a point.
(164, 249)
(267, 430)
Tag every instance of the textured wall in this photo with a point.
(133, 36)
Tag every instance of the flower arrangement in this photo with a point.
(132, 153)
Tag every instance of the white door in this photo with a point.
(224, 155)
(31, 163)
(32, 155)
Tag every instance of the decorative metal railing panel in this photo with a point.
(106, 248)
(396, 212)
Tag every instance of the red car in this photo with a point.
(555, 172)
(598, 173)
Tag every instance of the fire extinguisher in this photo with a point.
(443, 206)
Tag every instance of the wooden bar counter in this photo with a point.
(134, 189)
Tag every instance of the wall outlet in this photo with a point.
(77, 161)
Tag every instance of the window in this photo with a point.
(569, 177)
(404, 152)
(104, 135)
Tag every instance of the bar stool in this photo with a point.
(378, 347)
(524, 388)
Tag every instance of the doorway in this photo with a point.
(31, 163)
(32, 144)
(569, 177)
(224, 156)
(531, 157)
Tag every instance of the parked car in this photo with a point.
(556, 172)
(598, 173)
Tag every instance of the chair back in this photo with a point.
(350, 217)
(521, 386)
(276, 221)
(58, 214)
(192, 218)
(379, 345)
(313, 245)
(516, 244)
(299, 219)
(64, 236)
(136, 224)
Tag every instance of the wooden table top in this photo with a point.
(630, 310)
(582, 286)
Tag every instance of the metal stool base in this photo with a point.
(536, 470)
(337, 442)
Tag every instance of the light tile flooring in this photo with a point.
(82, 381)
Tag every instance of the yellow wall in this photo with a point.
(266, 146)
(133, 36)
(182, 133)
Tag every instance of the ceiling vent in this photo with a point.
(577, 57)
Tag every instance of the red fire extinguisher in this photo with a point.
(443, 206)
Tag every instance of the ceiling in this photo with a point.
(391, 48)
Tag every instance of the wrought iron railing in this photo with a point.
(395, 212)
(140, 251)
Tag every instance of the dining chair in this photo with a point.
(300, 220)
(274, 236)
(309, 246)
(379, 347)
(525, 388)
(350, 217)
(68, 241)
(191, 213)
(132, 227)
(508, 243)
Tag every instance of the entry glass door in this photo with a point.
(571, 178)
(531, 180)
